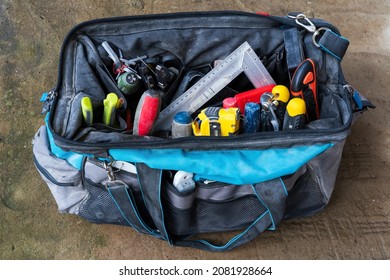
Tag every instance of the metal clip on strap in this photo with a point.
(305, 22)
(332, 43)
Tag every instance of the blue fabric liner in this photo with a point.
(72, 158)
(228, 166)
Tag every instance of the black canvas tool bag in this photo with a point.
(245, 183)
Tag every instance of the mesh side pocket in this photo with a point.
(306, 197)
(99, 207)
(213, 216)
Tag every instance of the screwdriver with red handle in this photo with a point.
(147, 112)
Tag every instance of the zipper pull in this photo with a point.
(47, 99)
(361, 103)
(355, 97)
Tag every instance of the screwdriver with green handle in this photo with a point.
(87, 110)
(110, 104)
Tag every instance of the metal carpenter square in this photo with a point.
(243, 59)
(255, 70)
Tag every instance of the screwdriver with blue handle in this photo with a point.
(294, 117)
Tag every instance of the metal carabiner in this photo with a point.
(109, 170)
(309, 26)
(316, 33)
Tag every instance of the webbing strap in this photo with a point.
(334, 44)
(294, 49)
(125, 202)
(150, 184)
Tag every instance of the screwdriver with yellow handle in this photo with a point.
(87, 110)
(281, 95)
(295, 116)
(110, 105)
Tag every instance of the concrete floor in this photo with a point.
(356, 223)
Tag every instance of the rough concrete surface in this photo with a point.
(355, 224)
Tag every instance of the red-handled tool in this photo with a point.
(147, 112)
(304, 85)
(240, 99)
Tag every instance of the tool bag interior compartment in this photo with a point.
(106, 158)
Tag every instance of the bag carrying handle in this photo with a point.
(150, 185)
(124, 200)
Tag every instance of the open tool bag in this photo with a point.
(172, 124)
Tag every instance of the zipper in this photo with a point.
(246, 141)
(280, 20)
(243, 141)
(50, 177)
(149, 17)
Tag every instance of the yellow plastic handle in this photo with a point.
(296, 107)
(281, 93)
(86, 108)
(110, 104)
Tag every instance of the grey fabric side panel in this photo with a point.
(60, 169)
(325, 167)
(63, 180)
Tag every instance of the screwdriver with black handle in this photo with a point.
(281, 97)
(294, 117)
(304, 85)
